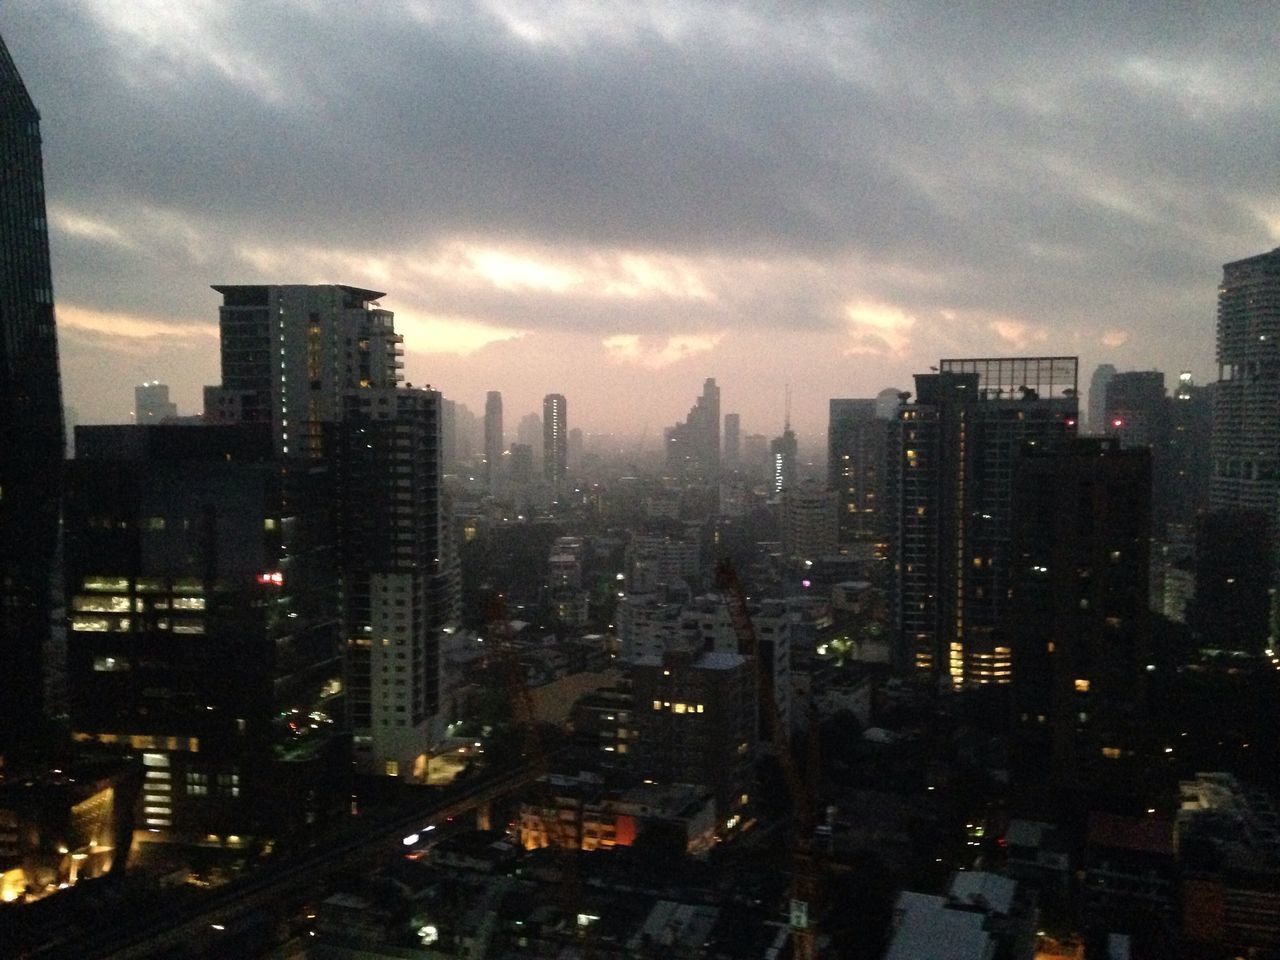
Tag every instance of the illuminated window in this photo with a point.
(1111, 753)
(1082, 686)
(393, 768)
(657, 704)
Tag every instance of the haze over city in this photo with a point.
(614, 202)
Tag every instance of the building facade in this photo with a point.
(31, 430)
(693, 446)
(1081, 621)
(291, 352)
(857, 444)
(956, 450)
(399, 589)
(555, 440)
(1246, 401)
(494, 442)
(203, 629)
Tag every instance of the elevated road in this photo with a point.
(363, 843)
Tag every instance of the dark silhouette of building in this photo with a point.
(151, 403)
(1190, 446)
(1080, 620)
(695, 714)
(732, 440)
(1102, 375)
(693, 446)
(1231, 609)
(31, 439)
(203, 628)
(857, 444)
(956, 450)
(493, 439)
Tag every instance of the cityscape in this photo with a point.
(378, 611)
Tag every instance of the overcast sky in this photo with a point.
(616, 200)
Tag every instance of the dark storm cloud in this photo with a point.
(1057, 164)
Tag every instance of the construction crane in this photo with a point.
(801, 785)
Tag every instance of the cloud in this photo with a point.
(633, 349)
(828, 177)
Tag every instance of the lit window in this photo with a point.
(1082, 686)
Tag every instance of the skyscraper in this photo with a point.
(693, 446)
(857, 441)
(204, 628)
(1080, 625)
(955, 453)
(555, 439)
(493, 439)
(290, 352)
(31, 441)
(1135, 410)
(732, 440)
(396, 574)
(1246, 402)
(151, 403)
(1102, 375)
(783, 452)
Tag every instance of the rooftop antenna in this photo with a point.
(786, 424)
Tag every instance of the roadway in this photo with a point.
(167, 928)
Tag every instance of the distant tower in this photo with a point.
(151, 402)
(493, 438)
(693, 446)
(555, 439)
(732, 440)
(31, 443)
(1098, 398)
(782, 455)
(529, 433)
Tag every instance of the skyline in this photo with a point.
(618, 205)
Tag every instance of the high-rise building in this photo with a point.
(1080, 621)
(395, 564)
(693, 446)
(1231, 608)
(31, 438)
(783, 453)
(203, 628)
(1135, 410)
(810, 522)
(494, 442)
(529, 432)
(290, 353)
(555, 440)
(1190, 451)
(857, 439)
(732, 440)
(151, 403)
(955, 452)
(1102, 375)
(1246, 400)
(576, 448)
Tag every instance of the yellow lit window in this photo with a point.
(657, 704)
(1082, 686)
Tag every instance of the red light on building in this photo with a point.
(274, 579)
(1117, 423)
